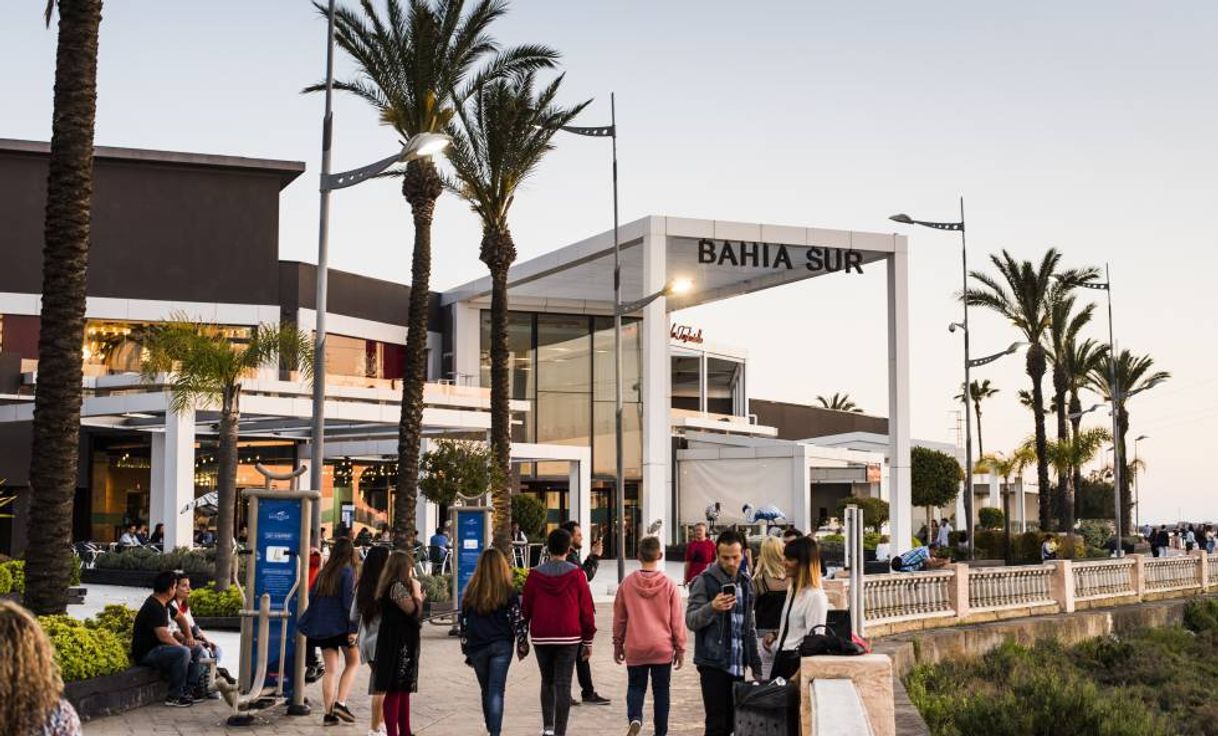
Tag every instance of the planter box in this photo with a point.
(431, 608)
(117, 693)
(218, 623)
(134, 578)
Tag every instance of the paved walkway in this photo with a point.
(447, 704)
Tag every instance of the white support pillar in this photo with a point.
(579, 490)
(467, 338)
(173, 478)
(801, 489)
(427, 514)
(655, 495)
(900, 509)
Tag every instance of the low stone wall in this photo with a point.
(122, 691)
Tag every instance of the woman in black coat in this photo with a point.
(397, 644)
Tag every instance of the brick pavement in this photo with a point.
(447, 704)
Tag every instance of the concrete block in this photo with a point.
(872, 678)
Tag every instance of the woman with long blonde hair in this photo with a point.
(491, 622)
(770, 582)
(806, 606)
(397, 643)
(31, 691)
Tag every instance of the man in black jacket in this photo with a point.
(583, 669)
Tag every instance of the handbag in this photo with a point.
(786, 661)
(829, 643)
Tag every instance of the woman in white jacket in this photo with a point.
(806, 606)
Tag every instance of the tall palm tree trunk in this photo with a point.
(1076, 471)
(1036, 371)
(498, 252)
(1065, 508)
(980, 441)
(421, 186)
(1126, 496)
(226, 485)
(65, 254)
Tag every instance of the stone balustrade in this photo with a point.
(897, 602)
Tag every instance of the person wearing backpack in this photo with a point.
(805, 609)
(648, 635)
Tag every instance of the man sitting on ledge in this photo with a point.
(916, 559)
(152, 645)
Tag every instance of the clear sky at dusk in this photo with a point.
(1087, 126)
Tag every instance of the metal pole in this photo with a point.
(318, 456)
(1117, 460)
(854, 562)
(968, 414)
(620, 480)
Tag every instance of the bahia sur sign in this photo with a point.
(777, 256)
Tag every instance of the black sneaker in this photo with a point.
(330, 719)
(180, 702)
(595, 699)
(341, 710)
(313, 673)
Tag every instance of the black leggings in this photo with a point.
(556, 662)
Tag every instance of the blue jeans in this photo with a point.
(491, 664)
(174, 664)
(636, 690)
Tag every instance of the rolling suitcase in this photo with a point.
(771, 709)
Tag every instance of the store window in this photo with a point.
(687, 382)
(724, 386)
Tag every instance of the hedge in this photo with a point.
(437, 588)
(12, 576)
(210, 603)
(141, 558)
(84, 651)
(6, 580)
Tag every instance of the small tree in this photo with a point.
(935, 478)
(875, 510)
(530, 513)
(455, 469)
(990, 518)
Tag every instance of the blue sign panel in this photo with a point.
(276, 549)
(471, 540)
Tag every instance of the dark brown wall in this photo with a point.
(160, 231)
(349, 294)
(798, 421)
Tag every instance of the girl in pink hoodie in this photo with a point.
(648, 635)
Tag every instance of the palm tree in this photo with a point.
(1132, 373)
(205, 368)
(65, 255)
(977, 393)
(504, 134)
(840, 402)
(1022, 293)
(416, 64)
(1067, 455)
(1065, 324)
(1006, 466)
(1081, 359)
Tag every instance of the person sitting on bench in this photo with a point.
(153, 646)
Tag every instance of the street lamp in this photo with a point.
(1137, 484)
(420, 145)
(968, 415)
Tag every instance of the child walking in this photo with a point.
(397, 642)
(648, 635)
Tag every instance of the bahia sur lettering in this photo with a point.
(775, 256)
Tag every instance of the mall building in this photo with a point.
(197, 235)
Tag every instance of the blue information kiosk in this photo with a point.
(471, 535)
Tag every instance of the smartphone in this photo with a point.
(729, 589)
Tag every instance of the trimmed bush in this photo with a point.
(182, 558)
(16, 570)
(6, 580)
(990, 518)
(437, 588)
(875, 510)
(210, 603)
(116, 619)
(530, 513)
(82, 651)
(519, 575)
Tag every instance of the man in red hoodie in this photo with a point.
(558, 607)
(648, 635)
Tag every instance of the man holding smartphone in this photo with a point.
(720, 613)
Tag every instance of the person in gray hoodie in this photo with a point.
(725, 632)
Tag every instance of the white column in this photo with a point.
(173, 478)
(900, 510)
(801, 490)
(579, 489)
(467, 339)
(427, 514)
(656, 492)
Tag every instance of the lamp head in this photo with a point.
(902, 218)
(679, 286)
(422, 145)
(1141, 437)
(956, 326)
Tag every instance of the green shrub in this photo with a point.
(1095, 532)
(990, 518)
(188, 560)
(875, 510)
(6, 580)
(1201, 615)
(16, 570)
(116, 619)
(437, 588)
(530, 513)
(81, 651)
(210, 603)
(519, 575)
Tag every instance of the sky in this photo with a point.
(1087, 127)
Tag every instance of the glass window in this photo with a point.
(520, 353)
(564, 346)
(562, 419)
(724, 386)
(687, 382)
(346, 356)
(604, 461)
(632, 357)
